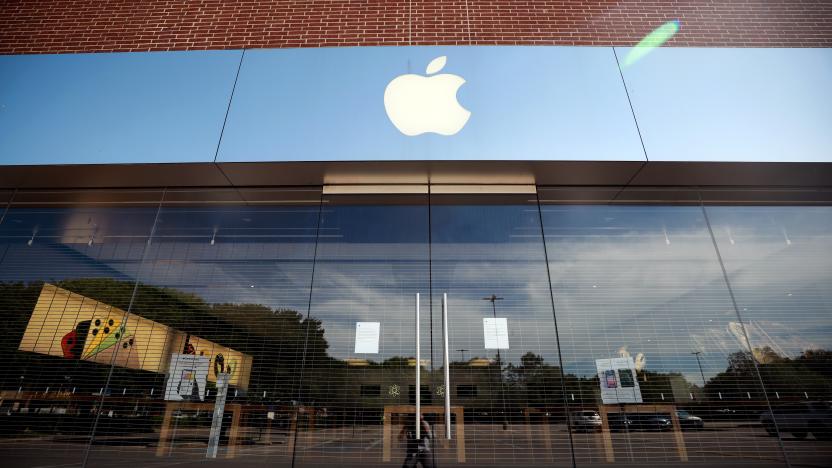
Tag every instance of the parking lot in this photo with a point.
(486, 445)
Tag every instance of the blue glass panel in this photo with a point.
(114, 108)
(525, 102)
(733, 104)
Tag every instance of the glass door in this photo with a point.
(359, 383)
(488, 270)
(476, 266)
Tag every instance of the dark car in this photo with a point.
(688, 421)
(619, 422)
(799, 419)
(650, 422)
(586, 421)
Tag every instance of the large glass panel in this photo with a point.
(779, 263)
(400, 103)
(66, 270)
(487, 256)
(650, 340)
(359, 372)
(732, 104)
(114, 107)
(220, 308)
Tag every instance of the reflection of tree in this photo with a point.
(275, 338)
(811, 373)
(537, 381)
(288, 348)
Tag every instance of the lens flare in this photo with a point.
(655, 39)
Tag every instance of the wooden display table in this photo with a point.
(544, 428)
(389, 411)
(171, 406)
(310, 413)
(604, 410)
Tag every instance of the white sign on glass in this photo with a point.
(187, 377)
(618, 380)
(495, 331)
(366, 337)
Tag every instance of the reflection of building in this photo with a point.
(69, 325)
(379, 386)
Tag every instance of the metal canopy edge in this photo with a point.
(540, 173)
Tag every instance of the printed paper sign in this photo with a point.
(618, 380)
(495, 331)
(187, 378)
(366, 337)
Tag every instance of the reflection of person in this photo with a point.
(418, 450)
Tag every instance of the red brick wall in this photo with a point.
(32, 26)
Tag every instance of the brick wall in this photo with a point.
(32, 26)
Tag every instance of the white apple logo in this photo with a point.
(418, 104)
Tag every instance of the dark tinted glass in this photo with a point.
(67, 275)
(126, 312)
(779, 261)
(372, 260)
(223, 293)
(642, 305)
(487, 255)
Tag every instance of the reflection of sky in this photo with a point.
(113, 108)
(721, 104)
(621, 283)
(527, 103)
(644, 279)
(778, 262)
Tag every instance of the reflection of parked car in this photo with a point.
(689, 421)
(619, 422)
(586, 421)
(650, 422)
(800, 419)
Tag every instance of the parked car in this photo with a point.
(650, 422)
(689, 421)
(799, 419)
(619, 422)
(586, 421)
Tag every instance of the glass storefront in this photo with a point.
(288, 327)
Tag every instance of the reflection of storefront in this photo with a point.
(72, 326)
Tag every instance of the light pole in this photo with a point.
(462, 351)
(493, 299)
(697, 353)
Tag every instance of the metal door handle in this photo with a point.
(418, 376)
(447, 366)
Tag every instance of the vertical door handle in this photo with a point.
(447, 366)
(418, 376)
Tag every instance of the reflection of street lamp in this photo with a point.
(697, 353)
(463, 353)
(493, 299)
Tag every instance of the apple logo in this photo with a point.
(419, 104)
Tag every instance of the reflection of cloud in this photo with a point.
(613, 288)
(632, 289)
(781, 338)
(736, 329)
(349, 291)
(640, 360)
(716, 339)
